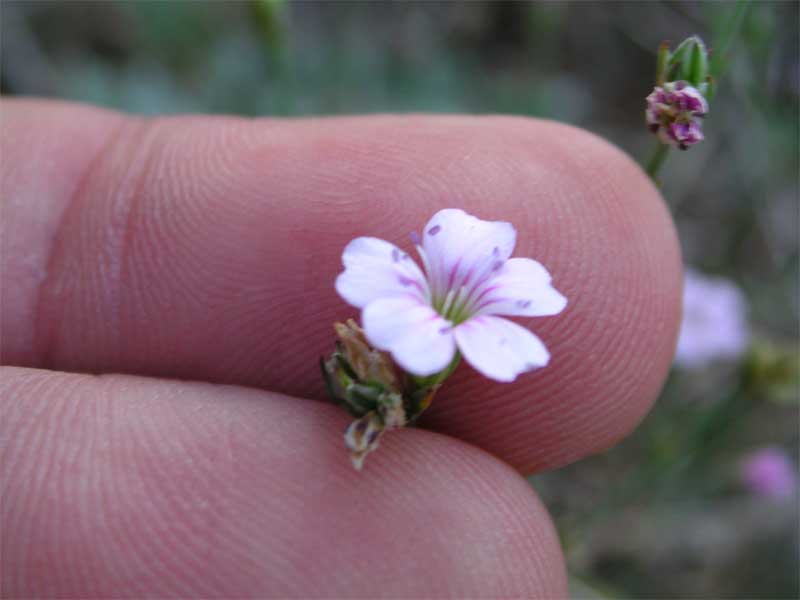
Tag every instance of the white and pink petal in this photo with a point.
(498, 348)
(461, 249)
(418, 338)
(521, 287)
(375, 269)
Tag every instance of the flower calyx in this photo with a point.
(365, 381)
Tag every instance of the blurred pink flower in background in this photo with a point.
(769, 472)
(714, 322)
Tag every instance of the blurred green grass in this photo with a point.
(649, 518)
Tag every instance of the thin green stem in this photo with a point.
(656, 161)
(437, 378)
(661, 63)
(724, 41)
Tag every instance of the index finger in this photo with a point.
(206, 248)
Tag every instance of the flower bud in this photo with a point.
(367, 363)
(356, 374)
(363, 435)
(365, 381)
(688, 62)
(697, 73)
(674, 112)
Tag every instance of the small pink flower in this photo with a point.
(422, 318)
(769, 472)
(674, 113)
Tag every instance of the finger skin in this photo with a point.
(119, 486)
(206, 248)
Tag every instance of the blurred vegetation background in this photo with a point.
(668, 513)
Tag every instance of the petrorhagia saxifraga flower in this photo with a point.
(428, 319)
(674, 113)
(424, 319)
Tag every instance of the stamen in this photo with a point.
(427, 265)
(453, 272)
(434, 230)
(414, 238)
(481, 288)
(457, 311)
(395, 254)
(447, 303)
(485, 303)
(523, 303)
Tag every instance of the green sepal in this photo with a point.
(698, 63)
(363, 398)
(326, 377)
(345, 366)
(415, 402)
(677, 65)
(688, 62)
(437, 378)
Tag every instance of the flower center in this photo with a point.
(454, 306)
(455, 296)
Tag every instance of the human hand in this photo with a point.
(204, 250)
